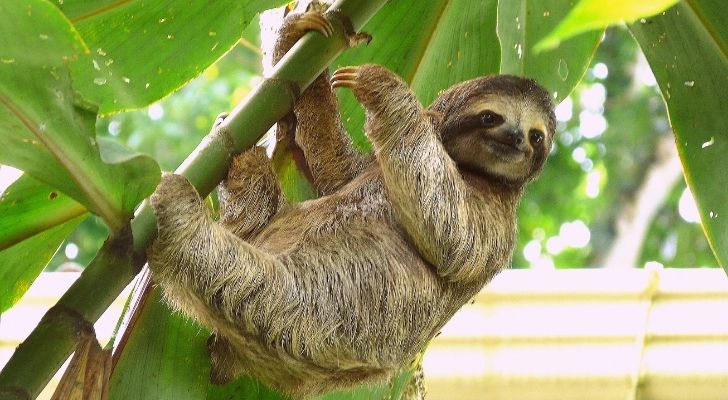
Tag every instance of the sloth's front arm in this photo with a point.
(443, 218)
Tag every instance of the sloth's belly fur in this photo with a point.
(354, 312)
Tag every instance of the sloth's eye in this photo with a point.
(536, 136)
(490, 119)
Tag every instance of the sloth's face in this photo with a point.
(506, 133)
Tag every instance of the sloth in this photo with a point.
(349, 287)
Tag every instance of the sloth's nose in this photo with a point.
(515, 136)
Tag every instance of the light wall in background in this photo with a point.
(567, 334)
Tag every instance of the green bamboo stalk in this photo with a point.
(52, 341)
(38, 358)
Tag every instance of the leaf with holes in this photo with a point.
(521, 24)
(687, 48)
(28, 207)
(43, 131)
(141, 50)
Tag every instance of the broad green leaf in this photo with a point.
(521, 24)
(430, 44)
(142, 50)
(687, 48)
(384, 391)
(164, 357)
(23, 262)
(28, 207)
(247, 388)
(595, 14)
(42, 132)
(244, 388)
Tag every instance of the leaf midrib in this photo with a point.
(697, 12)
(442, 6)
(99, 10)
(84, 182)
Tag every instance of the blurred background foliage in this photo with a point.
(610, 130)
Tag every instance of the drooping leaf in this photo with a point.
(42, 132)
(28, 207)
(142, 50)
(133, 175)
(431, 45)
(687, 48)
(23, 262)
(521, 24)
(595, 14)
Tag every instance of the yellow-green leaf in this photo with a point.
(595, 14)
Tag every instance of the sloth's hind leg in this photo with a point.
(250, 194)
(212, 275)
(208, 272)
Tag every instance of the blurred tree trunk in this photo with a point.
(641, 207)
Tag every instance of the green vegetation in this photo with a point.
(610, 195)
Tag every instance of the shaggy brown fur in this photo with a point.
(349, 287)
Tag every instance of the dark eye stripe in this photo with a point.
(490, 119)
(461, 125)
(536, 136)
